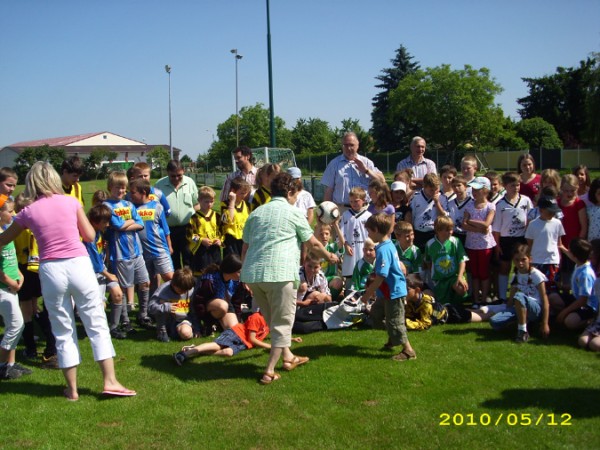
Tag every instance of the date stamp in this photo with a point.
(510, 419)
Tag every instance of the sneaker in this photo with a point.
(127, 328)
(146, 322)
(24, 370)
(115, 333)
(9, 373)
(49, 362)
(179, 358)
(522, 337)
(162, 336)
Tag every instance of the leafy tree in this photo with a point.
(158, 158)
(185, 159)
(254, 132)
(451, 108)
(54, 155)
(592, 104)
(92, 164)
(313, 136)
(391, 135)
(561, 100)
(538, 133)
(508, 138)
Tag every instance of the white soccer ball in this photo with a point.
(328, 212)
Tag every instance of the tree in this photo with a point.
(158, 158)
(254, 132)
(561, 100)
(592, 104)
(451, 108)
(185, 159)
(538, 133)
(313, 136)
(54, 155)
(366, 143)
(391, 135)
(91, 165)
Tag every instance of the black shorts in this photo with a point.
(457, 314)
(585, 313)
(507, 246)
(31, 288)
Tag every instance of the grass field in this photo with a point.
(469, 388)
(350, 395)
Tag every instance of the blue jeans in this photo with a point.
(508, 317)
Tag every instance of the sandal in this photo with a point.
(268, 378)
(404, 356)
(297, 361)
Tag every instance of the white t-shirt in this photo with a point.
(424, 212)
(528, 283)
(545, 235)
(305, 201)
(511, 218)
(456, 211)
(355, 233)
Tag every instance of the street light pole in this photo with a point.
(237, 115)
(271, 106)
(168, 70)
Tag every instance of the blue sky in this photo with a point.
(71, 67)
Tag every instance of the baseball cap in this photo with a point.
(548, 203)
(398, 186)
(294, 172)
(480, 183)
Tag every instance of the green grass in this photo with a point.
(350, 395)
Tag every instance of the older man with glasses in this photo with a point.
(182, 194)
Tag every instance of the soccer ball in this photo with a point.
(328, 212)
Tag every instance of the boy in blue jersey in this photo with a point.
(156, 243)
(390, 284)
(142, 170)
(125, 248)
(99, 216)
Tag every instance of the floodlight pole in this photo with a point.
(168, 70)
(237, 114)
(271, 106)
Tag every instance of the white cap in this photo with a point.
(398, 186)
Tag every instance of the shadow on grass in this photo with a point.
(247, 365)
(557, 336)
(39, 390)
(578, 402)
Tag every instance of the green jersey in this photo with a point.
(331, 270)
(8, 263)
(444, 257)
(361, 273)
(412, 257)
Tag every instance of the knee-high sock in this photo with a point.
(502, 286)
(114, 316)
(143, 297)
(124, 314)
(43, 321)
(28, 337)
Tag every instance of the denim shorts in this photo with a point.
(508, 317)
(228, 338)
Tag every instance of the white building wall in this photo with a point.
(106, 139)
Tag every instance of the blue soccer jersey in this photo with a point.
(123, 245)
(582, 284)
(387, 265)
(96, 251)
(155, 232)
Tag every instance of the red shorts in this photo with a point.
(479, 263)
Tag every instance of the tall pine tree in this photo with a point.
(391, 136)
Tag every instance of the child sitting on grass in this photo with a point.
(527, 301)
(446, 259)
(390, 284)
(577, 308)
(170, 306)
(364, 267)
(590, 338)
(243, 336)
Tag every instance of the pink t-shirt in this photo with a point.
(53, 221)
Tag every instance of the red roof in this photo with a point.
(59, 141)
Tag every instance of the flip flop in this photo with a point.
(68, 397)
(119, 392)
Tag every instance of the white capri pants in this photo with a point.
(277, 303)
(13, 319)
(74, 278)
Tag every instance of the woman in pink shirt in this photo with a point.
(66, 275)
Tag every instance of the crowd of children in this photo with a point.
(440, 253)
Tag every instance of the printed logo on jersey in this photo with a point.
(445, 264)
(123, 212)
(147, 214)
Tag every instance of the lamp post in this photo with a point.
(271, 106)
(168, 70)
(237, 115)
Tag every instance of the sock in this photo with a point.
(124, 315)
(143, 297)
(114, 316)
(28, 337)
(502, 286)
(522, 327)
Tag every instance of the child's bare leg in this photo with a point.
(556, 303)
(129, 292)
(594, 344)
(185, 331)
(485, 289)
(574, 322)
(476, 285)
(208, 348)
(584, 339)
